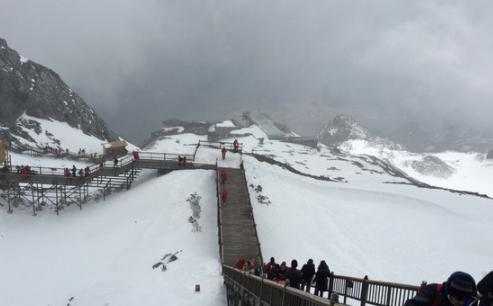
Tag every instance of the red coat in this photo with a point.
(224, 196)
(240, 263)
(223, 175)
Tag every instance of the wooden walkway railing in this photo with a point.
(254, 290)
(248, 289)
(42, 185)
(371, 292)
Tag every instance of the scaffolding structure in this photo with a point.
(58, 194)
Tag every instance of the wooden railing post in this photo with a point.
(364, 290)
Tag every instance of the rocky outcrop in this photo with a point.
(341, 129)
(30, 88)
(432, 165)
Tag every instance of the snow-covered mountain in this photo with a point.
(343, 127)
(454, 170)
(37, 108)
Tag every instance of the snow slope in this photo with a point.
(395, 232)
(51, 131)
(103, 255)
(473, 172)
(182, 143)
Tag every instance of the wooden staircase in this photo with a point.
(238, 233)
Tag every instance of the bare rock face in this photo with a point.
(434, 166)
(340, 129)
(27, 87)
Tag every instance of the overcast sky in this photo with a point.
(387, 61)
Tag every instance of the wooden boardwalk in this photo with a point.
(54, 176)
(238, 233)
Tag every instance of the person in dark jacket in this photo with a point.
(485, 288)
(458, 290)
(293, 275)
(74, 171)
(321, 278)
(308, 270)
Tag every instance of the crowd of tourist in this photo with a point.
(303, 279)
(460, 289)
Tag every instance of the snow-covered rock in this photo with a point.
(432, 165)
(340, 129)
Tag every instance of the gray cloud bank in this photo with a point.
(387, 62)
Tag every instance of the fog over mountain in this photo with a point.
(393, 65)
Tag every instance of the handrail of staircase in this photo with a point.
(362, 289)
(242, 168)
(219, 216)
(370, 291)
(244, 286)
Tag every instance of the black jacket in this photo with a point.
(485, 287)
(308, 271)
(321, 279)
(434, 295)
(294, 276)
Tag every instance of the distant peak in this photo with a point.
(340, 129)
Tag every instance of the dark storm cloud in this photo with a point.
(139, 62)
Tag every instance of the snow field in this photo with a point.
(103, 255)
(400, 233)
(176, 144)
